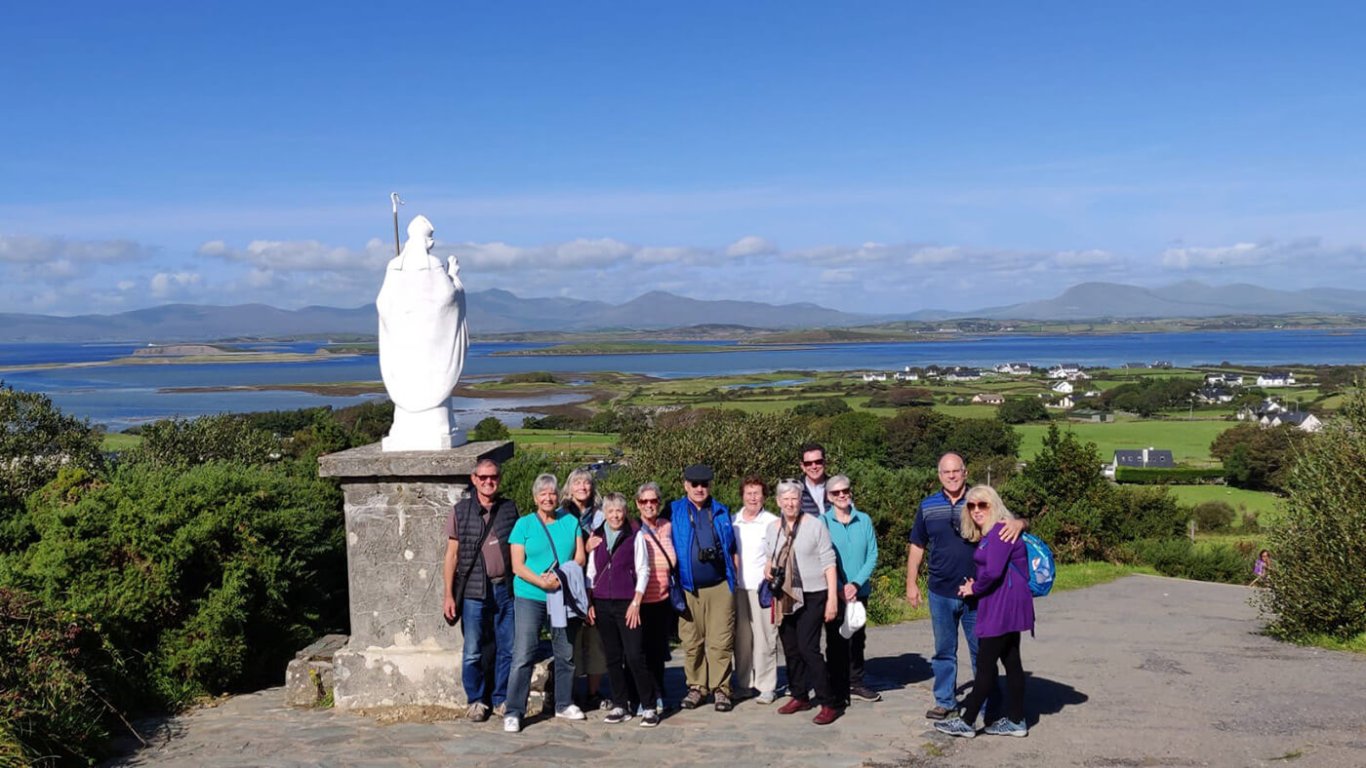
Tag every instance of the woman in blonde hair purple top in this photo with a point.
(1005, 608)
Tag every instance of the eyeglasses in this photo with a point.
(486, 478)
(647, 501)
(840, 492)
(975, 505)
(813, 463)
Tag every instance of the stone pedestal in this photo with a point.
(401, 652)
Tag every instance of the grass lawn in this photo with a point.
(117, 441)
(1264, 504)
(581, 444)
(1188, 441)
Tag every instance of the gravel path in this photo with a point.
(1144, 671)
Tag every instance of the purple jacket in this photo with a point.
(1004, 603)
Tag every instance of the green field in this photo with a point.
(1265, 505)
(1188, 441)
(117, 441)
(582, 445)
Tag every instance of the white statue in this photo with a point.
(422, 342)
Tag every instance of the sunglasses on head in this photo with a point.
(974, 505)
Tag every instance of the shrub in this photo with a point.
(1021, 410)
(827, 406)
(50, 705)
(1166, 475)
(900, 397)
(37, 440)
(733, 443)
(1250, 524)
(206, 578)
(854, 436)
(224, 437)
(1213, 516)
(1182, 559)
(490, 428)
(1316, 584)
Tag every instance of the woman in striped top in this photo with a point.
(657, 616)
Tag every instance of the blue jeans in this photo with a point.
(529, 616)
(946, 613)
(489, 617)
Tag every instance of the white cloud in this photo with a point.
(36, 249)
(300, 255)
(750, 245)
(166, 284)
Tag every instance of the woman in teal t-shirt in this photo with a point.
(532, 566)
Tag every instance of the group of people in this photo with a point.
(611, 589)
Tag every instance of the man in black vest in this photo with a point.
(478, 580)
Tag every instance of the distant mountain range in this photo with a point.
(497, 311)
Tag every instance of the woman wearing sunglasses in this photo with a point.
(657, 616)
(1005, 608)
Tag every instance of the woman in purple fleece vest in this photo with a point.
(1005, 608)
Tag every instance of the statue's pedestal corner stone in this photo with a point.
(373, 678)
(400, 652)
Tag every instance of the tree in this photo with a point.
(916, 437)
(901, 397)
(224, 437)
(1064, 471)
(734, 443)
(853, 436)
(1022, 410)
(976, 439)
(826, 406)
(36, 441)
(1316, 584)
(1257, 457)
(490, 428)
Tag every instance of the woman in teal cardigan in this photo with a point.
(855, 540)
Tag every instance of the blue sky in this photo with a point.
(865, 156)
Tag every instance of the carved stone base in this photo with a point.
(397, 677)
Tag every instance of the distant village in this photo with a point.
(1071, 394)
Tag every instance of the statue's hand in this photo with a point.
(452, 265)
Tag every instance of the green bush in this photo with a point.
(206, 578)
(36, 440)
(1317, 584)
(490, 428)
(1213, 516)
(827, 406)
(51, 708)
(735, 444)
(1182, 559)
(1166, 475)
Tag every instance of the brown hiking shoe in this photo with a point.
(693, 699)
(723, 702)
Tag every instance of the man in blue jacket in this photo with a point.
(705, 544)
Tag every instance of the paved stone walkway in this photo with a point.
(1141, 672)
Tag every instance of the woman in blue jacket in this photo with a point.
(1005, 608)
(855, 541)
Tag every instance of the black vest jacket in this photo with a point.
(469, 529)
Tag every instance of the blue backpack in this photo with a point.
(1042, 569)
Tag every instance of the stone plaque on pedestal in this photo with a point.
(401, 652)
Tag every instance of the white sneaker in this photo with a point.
(571, 712)
(512, 724)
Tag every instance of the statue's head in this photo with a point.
(420, 230)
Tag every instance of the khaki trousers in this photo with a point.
(708, 636)
(756, 643)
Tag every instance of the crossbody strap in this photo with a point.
(659, 544)
(553, 552)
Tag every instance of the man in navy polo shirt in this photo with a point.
(938, 528)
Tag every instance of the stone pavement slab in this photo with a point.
(1144, 671)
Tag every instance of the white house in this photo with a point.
(1276, 379)
(1064, 403)
(988, 398)
(1064, 387)
(1304, 420)
(874, 377)
(1015, 369)
(907, 375)
(963, 374)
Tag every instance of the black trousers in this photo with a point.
(657, 620)
(856, 658)
(807, 671)
(624, 649)
(1005, 649)
(837, 659)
